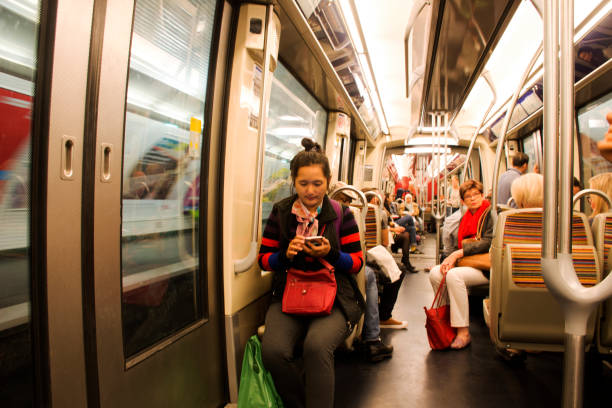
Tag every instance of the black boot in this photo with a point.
(408, 265)
(378, 351)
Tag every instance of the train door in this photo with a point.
(153, 320)
(25, 49)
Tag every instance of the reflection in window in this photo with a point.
(592, 127)
(168, 70)
(529, 148)
(19, 25)
(294, 114)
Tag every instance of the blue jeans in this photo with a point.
(408, 223)
(371, 321)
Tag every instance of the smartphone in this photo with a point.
(316, 240)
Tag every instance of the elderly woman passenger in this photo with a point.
(458, 279)
(602, 182)
(528, 191)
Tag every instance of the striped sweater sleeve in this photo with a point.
(271, 257)
(350, 257)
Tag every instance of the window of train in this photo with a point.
(294, 114)
(169, 58)
(530, 149)
(19, 24)
(592, 127)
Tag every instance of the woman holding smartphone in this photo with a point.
(287, 242)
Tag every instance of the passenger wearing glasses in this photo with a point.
(458, 279)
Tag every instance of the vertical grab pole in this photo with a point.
(440, 210)
(566, 124)
(487, 78)
(445, 162)
(551, 125)
(573, 362)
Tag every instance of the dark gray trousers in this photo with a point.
(320, 337)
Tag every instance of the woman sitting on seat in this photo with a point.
(528, 191)
(458, 279)
(602, 182)
(309, 213)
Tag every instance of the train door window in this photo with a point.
(160, 259)
(19, 26)
(530, 149)
(592, 127)
(294, 114)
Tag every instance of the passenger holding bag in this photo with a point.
(478, 261)
(308, 242)
(474, 238)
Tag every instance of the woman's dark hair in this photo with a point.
(311, 155)
(468, 185)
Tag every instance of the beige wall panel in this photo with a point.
(240, 175)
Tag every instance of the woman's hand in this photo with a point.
(295, 246)
(317, 251)
(450, 261)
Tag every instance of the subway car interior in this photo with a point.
(145, 143)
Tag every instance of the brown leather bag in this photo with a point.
(478, 261)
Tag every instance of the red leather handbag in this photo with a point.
(310, 293)
(440, 333)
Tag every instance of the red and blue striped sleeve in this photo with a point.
(350, 257)
(271, 257)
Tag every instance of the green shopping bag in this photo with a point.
(256, 385)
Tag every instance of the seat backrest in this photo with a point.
(361, 282)
(517, 284)
(602, 235)
(524, 262)
(524, 226)
(373, 229)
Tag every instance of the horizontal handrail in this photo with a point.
(588, 191)
(360, 195)
(375, 194)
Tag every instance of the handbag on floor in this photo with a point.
(256, 385)
(440, 333)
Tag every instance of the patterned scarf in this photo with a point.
(308, 225)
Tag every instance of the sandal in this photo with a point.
(461, 342)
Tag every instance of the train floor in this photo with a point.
(475, 377)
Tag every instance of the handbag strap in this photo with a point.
(337, 223)
(326, 264)
(481, 222)
(438, 296)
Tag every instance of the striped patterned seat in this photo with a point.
(526, 228)
(607, 244)
(602, 231)
(372, 226)
(517, 285)
(527, 271)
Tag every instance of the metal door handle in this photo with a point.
(105, 170)
(67, 170)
